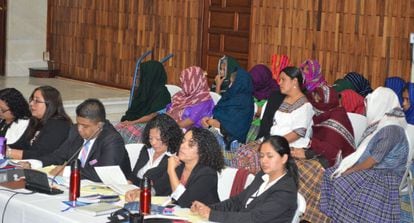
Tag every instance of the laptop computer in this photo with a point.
(37, 181)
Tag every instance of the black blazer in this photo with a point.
(50, 137)
(201, 186)
(153, 174)
(107, 150)
(276, 204)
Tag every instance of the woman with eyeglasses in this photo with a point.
(14, 114)
(271, 197)
(48, 127)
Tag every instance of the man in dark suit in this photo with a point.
(93, 140)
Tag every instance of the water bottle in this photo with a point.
(145, 197)
(234, 145)
(3, 147)
(74, 189)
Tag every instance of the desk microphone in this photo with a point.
(62, 167)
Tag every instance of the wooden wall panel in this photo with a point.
(367, 36)
(100, 40)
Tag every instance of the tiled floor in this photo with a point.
(74, 92)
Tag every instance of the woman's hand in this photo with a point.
(173, 162)
(298, 153)
(201, 209)
(204, 122)
(25, 164)
(132, 195)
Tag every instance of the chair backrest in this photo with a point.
(133, 150)
(216, 97)
(172, 89)
(301, 208)
(263, 110)
(409, 132)
(225, 182)
(359, 124)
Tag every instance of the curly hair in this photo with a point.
(208, 148)
(170, 133)
(16, 102)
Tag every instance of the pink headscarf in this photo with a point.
(314, 77)
(194, 90)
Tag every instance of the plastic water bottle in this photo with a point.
(234, 145)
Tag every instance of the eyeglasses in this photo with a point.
(4, 111)
(36, 101)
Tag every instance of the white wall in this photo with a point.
(25, 36)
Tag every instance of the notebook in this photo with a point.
(97, 209)
(37, 181)
(113, 177)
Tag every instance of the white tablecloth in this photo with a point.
(41, 208)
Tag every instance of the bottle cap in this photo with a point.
(145, 183)
(75, 164)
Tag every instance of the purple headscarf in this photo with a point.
(313, 78)
(263, 83)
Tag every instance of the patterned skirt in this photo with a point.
(247, 157)
(310, 177)
(131, 133)
(364, 196)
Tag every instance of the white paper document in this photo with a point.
(113, 177)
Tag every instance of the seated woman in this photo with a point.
(289, 114)
(162, 138)
(332, 132)
(397, 84)
(193, 102)
(364, 187)
(150, 98)
(311, 69)
(226, 67)
(271, 197)
(408, 102)
(192, 175)
(14, 114)
(48, 127)
(352, 102)
(233, 113)
(332, 135)
(263, 86)
(360, 83)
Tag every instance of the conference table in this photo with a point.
(43, 208)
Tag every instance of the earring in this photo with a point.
(294, 86)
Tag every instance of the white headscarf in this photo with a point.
(378, 104)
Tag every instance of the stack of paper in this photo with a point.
(113, 177)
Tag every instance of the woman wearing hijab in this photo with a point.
(332, 135)
(226, 67)
(263, 86)
(151, 97)
(311, 70)
(352, 102)
(408, 102)
(364, 187)
(360, 83)
(233, 113)
(342, 84)
(397, 84)
(193, 102)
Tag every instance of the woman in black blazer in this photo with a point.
(162, 137)
(192, 174)
(272, 196)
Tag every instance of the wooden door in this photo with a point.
(226, 26)
(3, 16)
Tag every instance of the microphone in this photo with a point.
(62, 167)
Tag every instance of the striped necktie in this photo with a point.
(84, 153)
